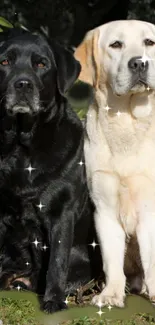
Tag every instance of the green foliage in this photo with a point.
(4, 23)
(79, 97)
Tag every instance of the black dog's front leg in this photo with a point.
(60, 248)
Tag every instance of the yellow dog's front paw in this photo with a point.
(105, 299)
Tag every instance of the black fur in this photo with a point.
(38, 128)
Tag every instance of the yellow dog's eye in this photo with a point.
(4, 62)
(116, 45)
(148, 42)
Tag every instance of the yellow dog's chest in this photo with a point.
(128, 144)
(122, 147)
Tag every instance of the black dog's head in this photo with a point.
(32, 71)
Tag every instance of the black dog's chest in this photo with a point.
(18, 173)
(17, 165)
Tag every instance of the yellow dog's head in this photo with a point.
(120, 54)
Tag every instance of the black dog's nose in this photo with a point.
(136, 64)
(23, 85)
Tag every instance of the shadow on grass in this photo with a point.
(134, 305)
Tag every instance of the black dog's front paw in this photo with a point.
(52, 306)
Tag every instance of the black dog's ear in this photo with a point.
(68, 68)
(3, 35)
(8, 33)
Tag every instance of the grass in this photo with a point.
(137, 320)
(17, 312)
(22, 312)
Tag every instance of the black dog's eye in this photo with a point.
(41, 65)
(4, 62)
(148, 42)
(116, 44)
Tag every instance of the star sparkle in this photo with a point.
(30, 169)
(40, 206)
(18, 288)
(93, 244)
(107, 108)
(36, 242)
(66, 301)
(27, 263)
(145, 58)
(81, 163)
(100, 305)
(118, 113)
(100, 312)
(44, 247)
(109, 307)
(59, 241)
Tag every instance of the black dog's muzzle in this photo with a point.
(23, 85)
(22, 96)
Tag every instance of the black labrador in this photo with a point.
(45, 209)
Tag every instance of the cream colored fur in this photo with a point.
(120, 150)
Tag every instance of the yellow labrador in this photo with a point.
(118, 60)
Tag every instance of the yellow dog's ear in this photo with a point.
(87, 55)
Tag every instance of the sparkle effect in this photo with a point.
(93, 244)
(66, 301)
(107, 108)
(18, 288)
(40, 206)
(100, 312)
(100, 304)
(81, 163)
(118, 113)
(109, 307)
(44, 247)
(59, 241)
(145, 58)
(27, 263)
(36, 242)
(30, 169)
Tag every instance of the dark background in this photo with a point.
(69, 20)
